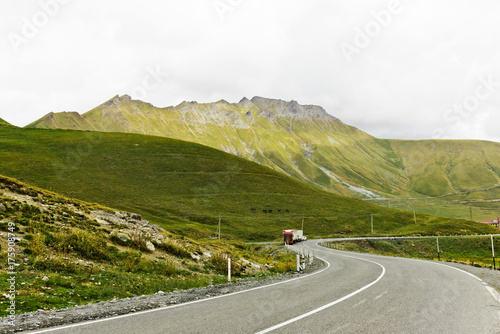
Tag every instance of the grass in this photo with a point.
(473, 250)
(399, 168)
(61, 258)
(4, 123)
(457, 207)
(184, 186)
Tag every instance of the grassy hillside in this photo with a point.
(66, 252)
(301, 141)
(308, 144)
(435, 168)
(3, 122)
(184, 186)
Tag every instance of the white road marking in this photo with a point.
(319, 309)
(360, 303)
(180, 305)
(491, 290)
(381, 295)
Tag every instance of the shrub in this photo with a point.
(89, 246)
(282, 267)
(128, 260)
(174, 249)
(139, 241)
(219, 261)
(37, 246)
(55, 264)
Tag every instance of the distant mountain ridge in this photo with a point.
(3, 122)
(307, 143)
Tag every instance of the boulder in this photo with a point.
(150, 246)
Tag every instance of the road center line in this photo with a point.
(319, 309)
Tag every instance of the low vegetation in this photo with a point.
(62, 256)
(472, 250)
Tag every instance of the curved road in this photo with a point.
(356, 293)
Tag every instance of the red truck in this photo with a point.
(291, 236)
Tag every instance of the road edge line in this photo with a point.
(179, 305)
(321, 308)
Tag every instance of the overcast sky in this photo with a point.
(395, 69)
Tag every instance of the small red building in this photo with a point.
(495, 222)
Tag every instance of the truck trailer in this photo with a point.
(291, 236)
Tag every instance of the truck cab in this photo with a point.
(288, 237)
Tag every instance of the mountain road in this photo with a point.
(354, 293)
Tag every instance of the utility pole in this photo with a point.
(372, 221)
(493, 253)
(470, 210)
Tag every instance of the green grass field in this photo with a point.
(448, 206)
(184, 186)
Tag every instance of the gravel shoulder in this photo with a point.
(44, 319)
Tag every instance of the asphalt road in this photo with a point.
(356, 293)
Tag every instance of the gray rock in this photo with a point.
(150, 246)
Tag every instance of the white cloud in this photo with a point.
(428, 57)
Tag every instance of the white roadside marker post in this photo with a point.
(229, 269)
(493, 252)
(437, 241)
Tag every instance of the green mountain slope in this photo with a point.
(3, 122)
(301, 141)
(184, 186)
(451, 167)
(308, 144)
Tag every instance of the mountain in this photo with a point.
(184, 187)
(3, 122)
(307, 143)
(304, 142)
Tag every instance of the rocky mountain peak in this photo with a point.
(117, 101)
(292, 109)
(125, 99)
